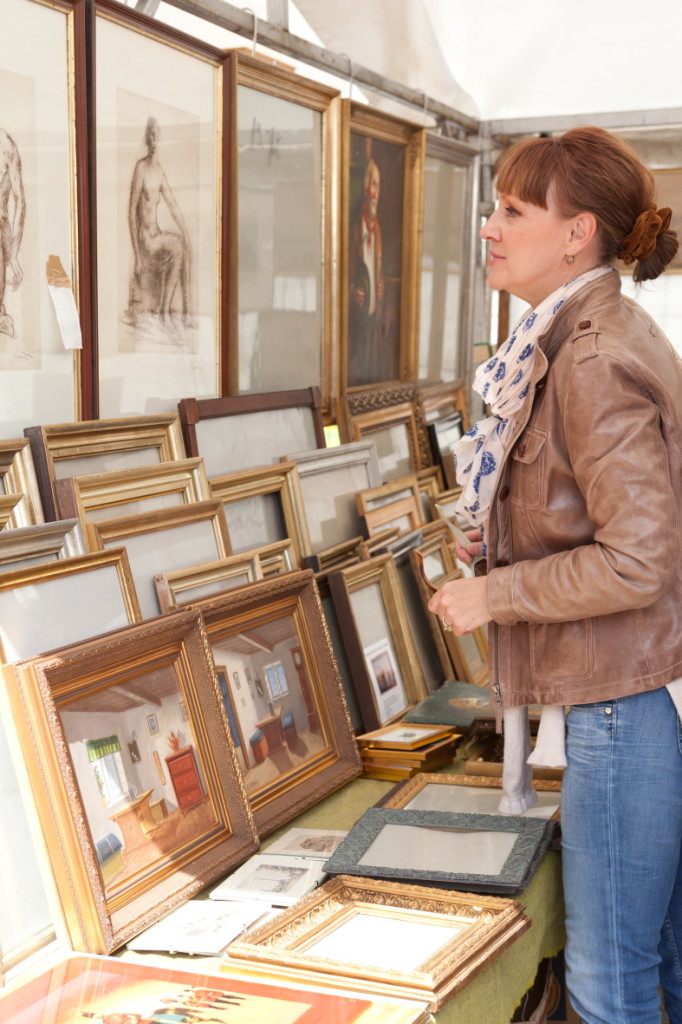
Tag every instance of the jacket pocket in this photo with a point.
(526, 485)
(561, 650)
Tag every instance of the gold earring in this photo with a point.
(570, 259)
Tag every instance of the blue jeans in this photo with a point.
(621, 821)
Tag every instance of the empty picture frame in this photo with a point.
(262, 506)
(329, 479)
(44, 542)
(243, 431)
(161, 121)
(444, 433)
(396, 503)
(95, 446)
(125, 492)
(472, 852)
(49, 605)
(385, 938)
(162, 541)
(124, 847)
(372, 616)
(282, 229)
(382, 160)
(467, 794)
(393, 418)
(290, 708)
(185, 586)
(43, 94)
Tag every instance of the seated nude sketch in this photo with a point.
(12, 214)
(159, 286)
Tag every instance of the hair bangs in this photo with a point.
(527, 170)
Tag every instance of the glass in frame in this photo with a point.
(384, 937)
(445, 307)
(42, 96)
(290, 708)
(125, 848)
(471, 852)
(162, 261)
(282, 232)
(380, 216)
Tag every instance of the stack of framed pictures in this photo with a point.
(400, 751)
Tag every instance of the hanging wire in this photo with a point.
(247, 10)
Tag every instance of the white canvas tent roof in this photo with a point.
(493, 60)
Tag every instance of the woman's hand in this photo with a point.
(461, 604)
(475, 548)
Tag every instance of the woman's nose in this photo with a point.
(490, 231)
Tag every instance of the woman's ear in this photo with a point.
(583, 231)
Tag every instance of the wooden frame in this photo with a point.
(329, 478)
(383, 161)
(396, 503)
(185, 586)
(467, 794)
(449, 199)
(404, 737)
(283, 146)
(372, 936)
(18, 476)
(171, 538)
(432, 561)
(129, 491)
(251, 518)
(44, 542)
(243, 431)
(45, 606)
(375, 627)
(443, 435)
(41, 373)
(300, 742)
(161, 125)
(394, 419)
(105, 986)
(452, 851)
(76, 449)
(443, 399)
(443, 504)
(107, 685)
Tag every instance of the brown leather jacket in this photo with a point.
(584, 566)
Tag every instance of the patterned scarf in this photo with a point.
(503, 383)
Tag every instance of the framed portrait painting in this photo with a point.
(380, 219)
(42, 96)
(160, 253)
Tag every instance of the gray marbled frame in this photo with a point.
(416, 861)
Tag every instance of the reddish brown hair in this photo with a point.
(591, 170)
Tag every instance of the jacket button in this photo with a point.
(540, 385)
(501, 562)
(504, 493)
(584, 324)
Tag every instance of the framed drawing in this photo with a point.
(185, 586)
(44, 542)
(161, 255)
(262, 506)
(471, 852)
(162, 541)
(43, 93)
(450, 205)
(385, 938)
(108, 988)
(49, 605)
(468, 794)
(124, 851)
(393, 418)
(278, 880)
(243, 431)
(99, 446)
(125, 492)
(329, 479)
(298, 741)
(372, 616)
(283, 230)
(382, 181)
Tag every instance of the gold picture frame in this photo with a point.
(384, 937)
(44, 542)
(18, 476)
(393, 418)
(120, 855)
(474, 794)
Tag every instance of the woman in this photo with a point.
(575, 485)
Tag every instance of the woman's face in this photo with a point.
(527, 247)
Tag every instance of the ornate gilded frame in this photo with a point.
(393, 418)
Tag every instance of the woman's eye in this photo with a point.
(511, 210)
